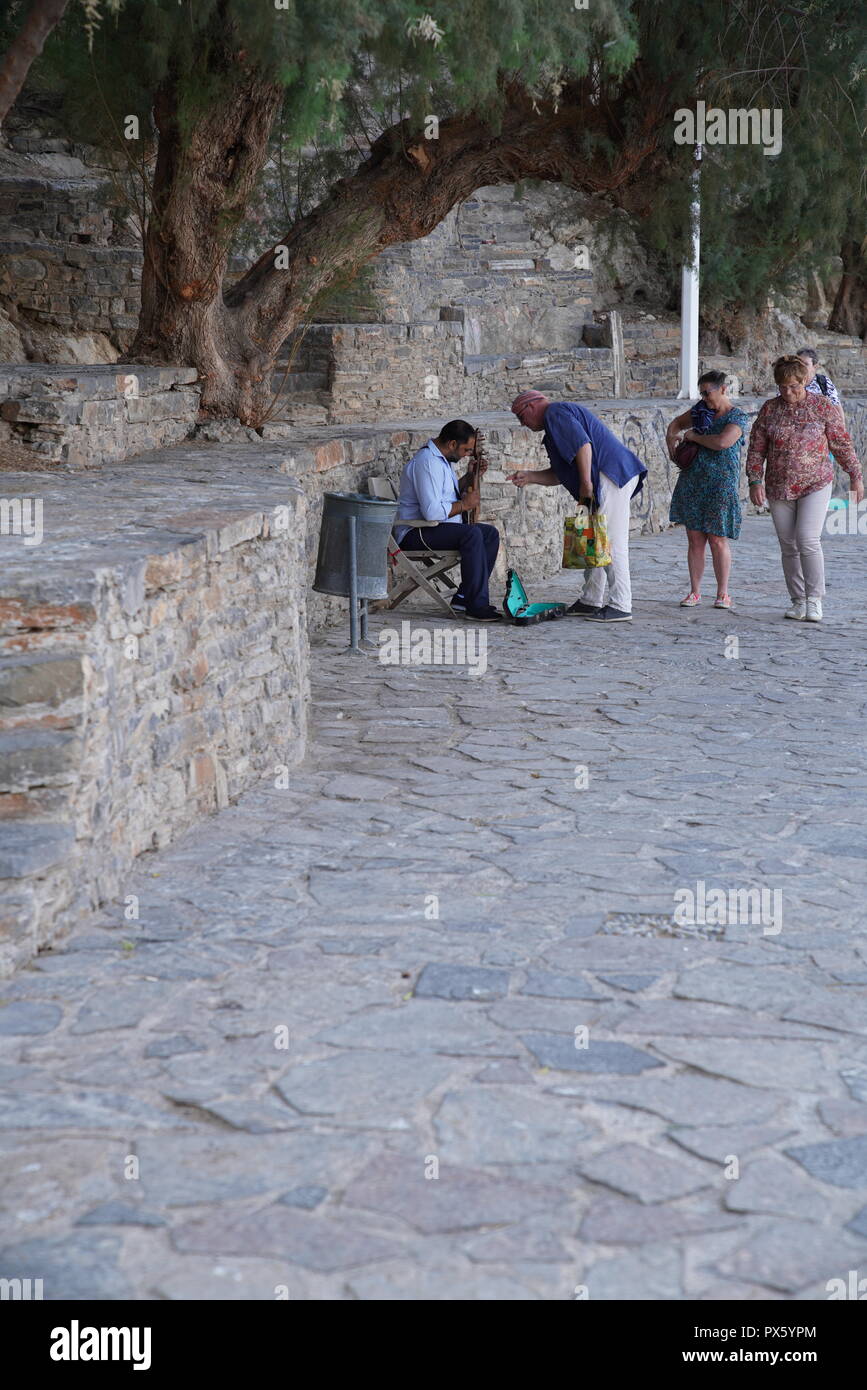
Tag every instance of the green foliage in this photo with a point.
(354, 68)
(407, 63)
(766, 220)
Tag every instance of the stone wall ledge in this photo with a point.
(83, 417)
(98, 382)
(153, 666)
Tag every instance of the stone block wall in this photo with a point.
(81, 417)
(153, 666)
(382, 371)
(76, 288)
(70, 260)
(578, 374)
(520, 286)
(391, 370)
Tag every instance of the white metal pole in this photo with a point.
(689, 297)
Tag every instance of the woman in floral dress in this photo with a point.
(795, 433)
(706, 498)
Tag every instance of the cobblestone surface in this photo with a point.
(427, 1024)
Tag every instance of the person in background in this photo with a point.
(817, 383)
(430, 491)
(592, 464)
(706, 497)
(792, 433)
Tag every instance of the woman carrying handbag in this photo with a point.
(706, 497)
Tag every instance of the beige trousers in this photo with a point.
(798, 525)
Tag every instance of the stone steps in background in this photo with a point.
(294, 383)
(70, 262)
(301, 408)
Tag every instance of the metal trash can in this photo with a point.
(353, 554)
(373, 520)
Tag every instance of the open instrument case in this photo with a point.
(519, 610)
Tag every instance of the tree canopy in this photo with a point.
(383, 114)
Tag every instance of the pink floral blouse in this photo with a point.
(797, 441)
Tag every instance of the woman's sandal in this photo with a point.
(723, 601)
(690, 601)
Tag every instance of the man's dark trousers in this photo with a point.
(479, 545)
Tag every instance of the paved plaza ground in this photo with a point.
(435, 1020)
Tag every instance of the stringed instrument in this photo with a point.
(474, 473)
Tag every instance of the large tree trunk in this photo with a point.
(849, 314)
(401, 192)
(201, 187)
(42, 17)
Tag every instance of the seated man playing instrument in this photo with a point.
(430, 491)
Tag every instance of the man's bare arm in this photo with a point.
(543, 477)
(584, 461)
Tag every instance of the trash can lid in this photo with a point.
(363, 497)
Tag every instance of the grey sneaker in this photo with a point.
(609, 615)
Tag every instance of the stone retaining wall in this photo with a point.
(85, 416)
(388, 370)
(153, 666)
(394, 370)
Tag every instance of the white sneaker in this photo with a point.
(814, 610)
(798, 610)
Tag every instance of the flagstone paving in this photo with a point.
(430, 1022)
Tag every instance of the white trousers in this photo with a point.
(798, 524)
(614, 504)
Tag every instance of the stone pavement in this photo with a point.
(435, 1020)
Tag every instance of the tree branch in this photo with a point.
(42, 17)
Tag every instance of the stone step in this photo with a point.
(292, 383)
(40, 144)
(300, 408)
(284, 424)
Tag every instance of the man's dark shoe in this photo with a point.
(609, 615)
(484, 615)
(583, 610)
(459, 604)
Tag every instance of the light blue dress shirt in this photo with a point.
(428, 489)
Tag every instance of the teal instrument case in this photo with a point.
(518, 609)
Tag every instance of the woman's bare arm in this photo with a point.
(723, 440)
(682, 422)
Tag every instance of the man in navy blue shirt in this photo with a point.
(430, 491)
(591, 463)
